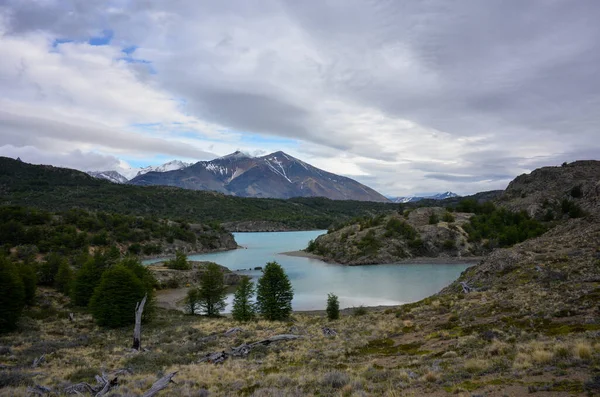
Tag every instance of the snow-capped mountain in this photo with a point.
(112, 176)
(170, 166)
(276, 175)
(412, 199)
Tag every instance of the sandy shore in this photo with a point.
(418, 260)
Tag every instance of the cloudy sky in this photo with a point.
(405, 96)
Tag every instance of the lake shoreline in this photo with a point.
(411, 261)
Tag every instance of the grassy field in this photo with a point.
(459, 345)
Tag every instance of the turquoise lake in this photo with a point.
(313, 279)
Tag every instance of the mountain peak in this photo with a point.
(238, 154)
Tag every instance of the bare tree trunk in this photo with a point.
(137, 330)
(160, 384)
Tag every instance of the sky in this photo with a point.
(405, 96)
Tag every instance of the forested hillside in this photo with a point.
(59, 189)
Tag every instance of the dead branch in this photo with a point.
(244, 349)
(137, 330)
(160, 384)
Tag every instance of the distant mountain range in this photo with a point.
(412, 199)
(276, 175)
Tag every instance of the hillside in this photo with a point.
(425, 232)
(276, 175)
(60, 189)
(34, 232)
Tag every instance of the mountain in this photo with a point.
(412, 199)
(170, 166)
(112, 176)
(276, 175)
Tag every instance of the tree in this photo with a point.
(191, 300)
(12, 295)
(212, 290)
(274, 293)
(333, 307)
(180, 262)
(86, 280)
(64, 278)
(243, 308)
(114, 300)
(49, 268)
(29, 280)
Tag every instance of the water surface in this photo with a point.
(313, 279)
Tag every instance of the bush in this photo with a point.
(359, 311)
(29, 279)
(448, 217)
(180, 262)
(333, 307)
(113, 302)
(212, 291)
(12, 295)
(433, 219)
(571, 208)
(397, 227)
(274, 293)
(576, 192)
(64, 278)
(86, 280)
(449, 244)
(243, 308)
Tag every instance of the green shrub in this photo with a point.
(448, 217)
(243, 308)
(212, 291)
(12, 295)
(449, 244)
(29, 279)
(64, 278)
(359, 311)
(180, 262)
(333, 307)
(397, 227)
(434, 219)
(114, 300)
(274, 293)
(572, 209)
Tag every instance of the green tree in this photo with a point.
(29, 279)
(212, 290)
(433, 219)
(87, 279)
(274, 293)
(49, 268)
(191, 300)
(64, 278)
(114, 300)
(333, 307)
(12, 295)
(180, 262)
(243, 308)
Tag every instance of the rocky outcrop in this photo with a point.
(542, 192)
(258, 226)
(171, 278)
(424, 232)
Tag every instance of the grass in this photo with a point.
(371, 355)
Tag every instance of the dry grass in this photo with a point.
(372, 354)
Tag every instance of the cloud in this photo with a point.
(405, 96)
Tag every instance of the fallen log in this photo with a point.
(328, 331)
(160, 384)
(38, 361)
(244, 349)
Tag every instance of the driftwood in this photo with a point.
(233, 331)
(38, 361)
(107, 385)
(38, 390)
(102, 387)
(160, 384)
(137, 330)
(328, 331)
(244, 349)
(466, 288)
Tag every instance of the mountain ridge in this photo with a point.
(275, 175)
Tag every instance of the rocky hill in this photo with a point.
(425, 232)
(550, 191)
(276, 175)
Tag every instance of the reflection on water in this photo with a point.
(313, 279)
